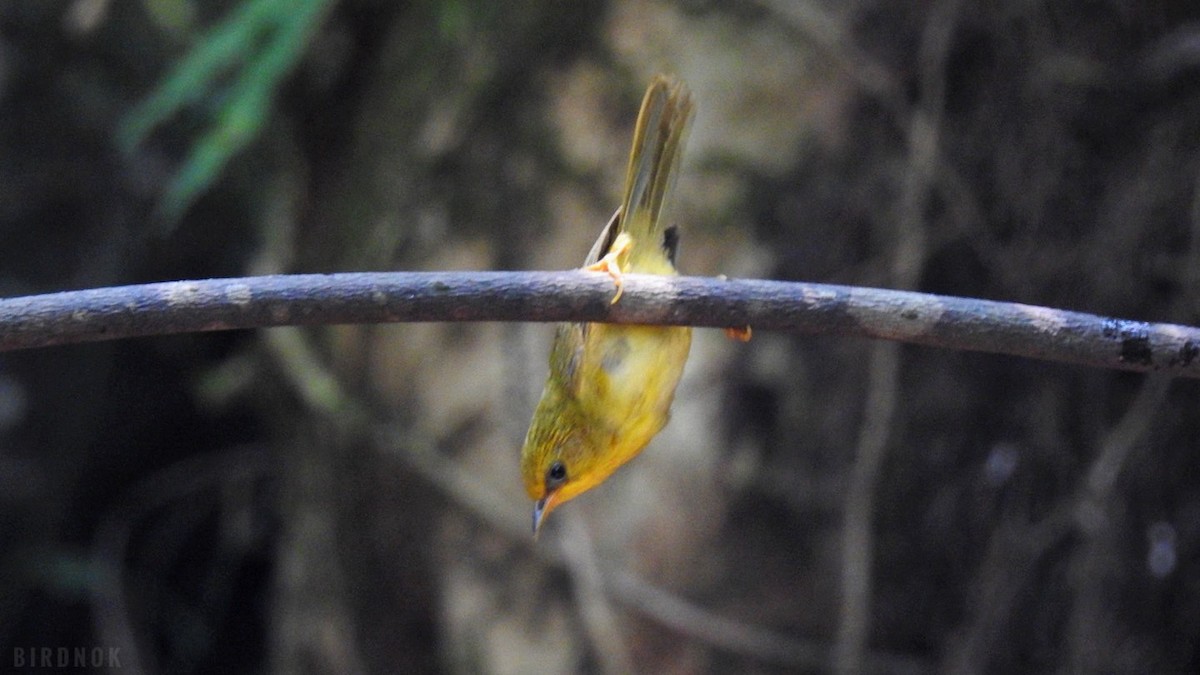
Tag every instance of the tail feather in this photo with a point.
(653, 164)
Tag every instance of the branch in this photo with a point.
(386, 297)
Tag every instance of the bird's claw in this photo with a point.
(611, 266)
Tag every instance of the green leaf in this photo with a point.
(239, 65)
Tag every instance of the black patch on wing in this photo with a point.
(670, 243)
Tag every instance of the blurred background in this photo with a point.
(348, 500)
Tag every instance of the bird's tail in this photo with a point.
(653, 166)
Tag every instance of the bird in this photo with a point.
(610, 387)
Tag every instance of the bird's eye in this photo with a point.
(556, 475)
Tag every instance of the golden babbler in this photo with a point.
(610, 386)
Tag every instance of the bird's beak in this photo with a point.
(541, 509)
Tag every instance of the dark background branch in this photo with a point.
(385, 297)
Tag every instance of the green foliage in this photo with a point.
(175, 16)
(240, 64)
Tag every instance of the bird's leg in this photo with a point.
(610, 264)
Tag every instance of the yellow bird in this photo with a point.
(610, 386)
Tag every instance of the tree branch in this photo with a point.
(386, 297)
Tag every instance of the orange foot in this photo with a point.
(610, 265)
(739, 333)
